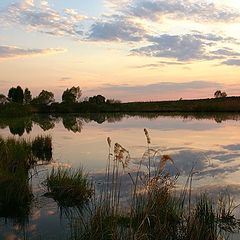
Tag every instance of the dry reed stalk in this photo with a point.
(147, 136)
(163, 162)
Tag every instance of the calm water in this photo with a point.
(209, 143)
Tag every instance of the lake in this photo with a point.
(208, 143)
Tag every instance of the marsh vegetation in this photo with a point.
(153, 206)
(155, 209)
(68, 187)
(17, 158)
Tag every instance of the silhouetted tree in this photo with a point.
(217, 94)
(27, 96)
(224, 94)
(44, 97)
(72, 95)
(112, 101)
(220, 94)
(3, 99)
(97, 99)
(16, 94)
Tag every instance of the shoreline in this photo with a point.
(211, 105)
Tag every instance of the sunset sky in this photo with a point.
(123, 49)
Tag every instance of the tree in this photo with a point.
(44, 97)
(220, 94)
(27, 96)
(217, 94)
(224, 94)
(113, 101)
(3, 99)
(99, 99)
(71, 95)
(16, 94)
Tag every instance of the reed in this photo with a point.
(15, 198)
(16, 161)
(42, 148)
(154, 210)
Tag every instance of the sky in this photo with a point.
(132, 50)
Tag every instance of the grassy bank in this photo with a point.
(16, 110)
(228, 104)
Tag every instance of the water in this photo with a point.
(210, 143)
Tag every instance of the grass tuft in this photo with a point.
(68, 187)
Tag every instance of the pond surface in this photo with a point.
(209, 143)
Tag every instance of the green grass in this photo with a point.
(42, 148)
(19, 155)
(16, 161)
(15, 198)
(68, 187)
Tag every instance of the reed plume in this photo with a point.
(147, 136)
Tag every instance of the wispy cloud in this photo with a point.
(156, 91)
(138, 22)
(164, 86)
(186, 47)
(198, 11)
(65, 79)
(232, 62)
(116, 28)
(158, 64)
(14, 52)
(39, 16)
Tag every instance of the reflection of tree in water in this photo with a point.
(103, 117)
(17, 126)
(116, 117)
(98, 117)
(72, 123)
(28, 125)
(46, 122)
(17, 129)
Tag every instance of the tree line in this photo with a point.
(69, 96)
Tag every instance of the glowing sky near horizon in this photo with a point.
(128, 49)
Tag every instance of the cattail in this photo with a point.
(164, 160)
(117, 148)
(147, 136)
(109, 142)
(152, 183)
(120, 152)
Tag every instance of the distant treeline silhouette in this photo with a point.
(72, 95)
(20, 102)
